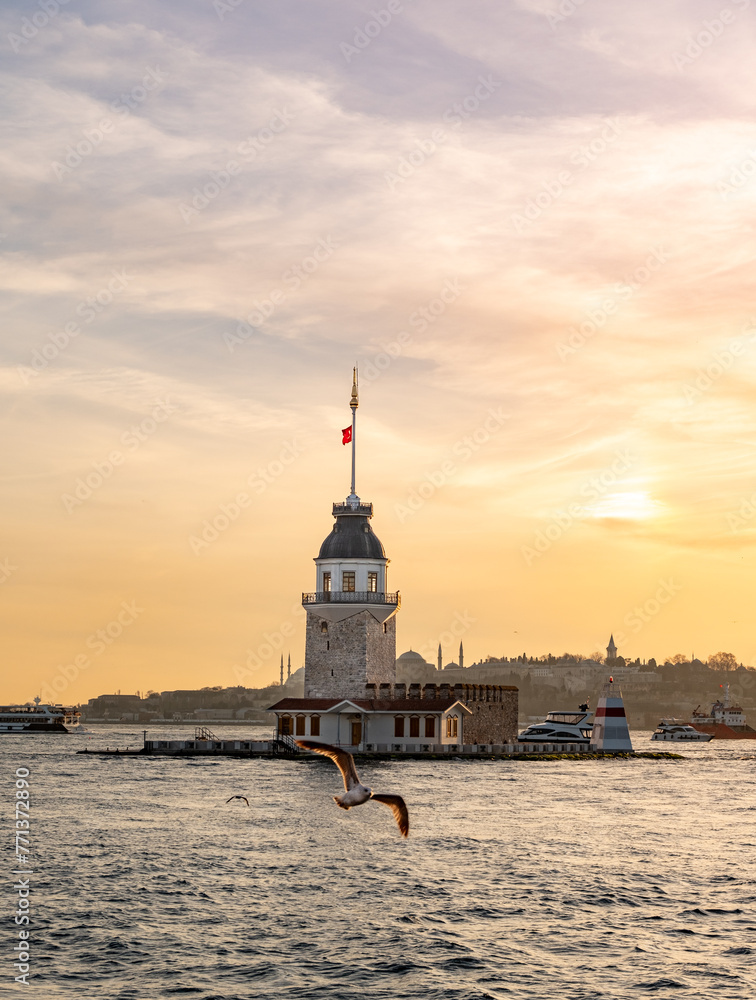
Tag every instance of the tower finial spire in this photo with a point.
(353, 500)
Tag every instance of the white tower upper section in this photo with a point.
(351, 567)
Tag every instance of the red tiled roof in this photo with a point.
(425, 705)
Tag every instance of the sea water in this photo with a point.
(552, 880)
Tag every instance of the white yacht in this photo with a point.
(673, 729)
(560, 727)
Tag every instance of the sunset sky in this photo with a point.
(530, 223)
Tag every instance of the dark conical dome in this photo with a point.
(352, 538)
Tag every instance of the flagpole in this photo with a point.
(354, 403)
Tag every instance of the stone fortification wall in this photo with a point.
(493, 706)
(492, 721)
(346, 655)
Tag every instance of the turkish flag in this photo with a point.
(346, 435)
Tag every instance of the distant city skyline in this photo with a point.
(532, 231)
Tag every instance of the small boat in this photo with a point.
(560, 727)
(725, 721)
(38, 718)
(673, 729)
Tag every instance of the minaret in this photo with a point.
(351, 616)
(288, 668)
(461, 656)
(281, 669)
(440, 658)
(611, 649)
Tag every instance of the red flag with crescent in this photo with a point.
(346, 435)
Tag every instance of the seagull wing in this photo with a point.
(341, 758)
(398, 807)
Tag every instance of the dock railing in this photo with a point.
(286, 744)
(203, 733)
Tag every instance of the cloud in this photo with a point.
(281, 211)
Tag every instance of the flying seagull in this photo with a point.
(237, 797)
(357, 793)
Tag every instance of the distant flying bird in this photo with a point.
(357, 793)
(237, 797)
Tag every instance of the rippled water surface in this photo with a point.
(563, 880)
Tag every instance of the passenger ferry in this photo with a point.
(38, 718)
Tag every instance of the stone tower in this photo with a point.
(611, 649)
(351, 616)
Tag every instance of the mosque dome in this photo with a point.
(411, 657)
(352, 538)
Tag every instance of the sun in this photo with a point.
(632, 506)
